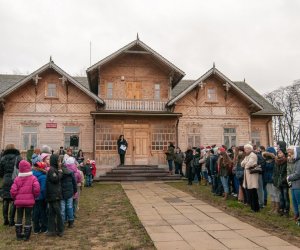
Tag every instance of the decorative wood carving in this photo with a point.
(31, 123)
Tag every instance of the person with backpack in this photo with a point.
(9, 171)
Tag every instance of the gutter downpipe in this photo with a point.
(94, 138)
(268, 131)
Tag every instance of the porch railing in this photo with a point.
(143, 105)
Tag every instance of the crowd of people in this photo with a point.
(252, 174)
(43, 190)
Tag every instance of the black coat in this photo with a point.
(188, 156)
(119, 143)
(9, 158)
(68, 184)
(53, 181)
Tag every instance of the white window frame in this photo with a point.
(50, 92)
(230, 136)
(211, 97)
(109, 90)
(156, 91)
(255, 138)
(68, 132)
(26, 132)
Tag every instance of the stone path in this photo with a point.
(176, 220)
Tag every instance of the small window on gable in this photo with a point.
(109, 90)
(51, 90)
(211, 95)
(157, 91)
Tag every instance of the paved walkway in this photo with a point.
(176, 220)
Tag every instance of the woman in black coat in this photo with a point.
(10, 158)
(122, 147)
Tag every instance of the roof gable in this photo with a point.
(213, 71)
(137, 46)
(12, 82)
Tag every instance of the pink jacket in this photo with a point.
(25, 190)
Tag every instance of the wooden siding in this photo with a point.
(134, 68)
(29, 105)
(263, 125)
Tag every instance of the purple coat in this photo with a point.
(25, 190)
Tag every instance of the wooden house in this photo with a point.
(136, 92)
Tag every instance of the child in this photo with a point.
(39, 214)
(24, 191)
(88, 174)
(94, 169)
(53, 197)
(68, 188)
(71, 165)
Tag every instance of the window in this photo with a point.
(211, 95)
(51, 91)
(161, 136)
(107, 136)
(255, 138)
(109, 90)
(194, 136)
(68, 132)
(29, 137)
(229, 137)
(157, 91)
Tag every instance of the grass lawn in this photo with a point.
(106, 220)
(279, 226)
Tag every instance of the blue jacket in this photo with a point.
(41, 175)
(268, 167)
(213, 164)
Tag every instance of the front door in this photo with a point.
(138, 146)
(134, 90)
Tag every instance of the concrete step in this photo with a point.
(138, 178)
(111, 174)
(128, 171)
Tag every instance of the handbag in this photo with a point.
(16, 170)
(256, 170)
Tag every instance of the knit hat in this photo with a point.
(44, 155)
(198, 150)
(271, 150)
(208, 147)
(35, 159)
(46, 149)
(241, 148)
(41, 165)
(70, 161)
(24, 166)
(222, 149)
(215, 149)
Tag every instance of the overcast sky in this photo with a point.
(254, 39)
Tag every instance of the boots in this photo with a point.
(19, 229)
(6, 222)
(204, 182)
(12, 223)
(277, 208)
(225, 196)
(27, 232)
(273, 208)
(70, 223)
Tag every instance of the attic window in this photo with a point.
(51, 90)
(211, 95)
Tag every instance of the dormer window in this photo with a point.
(51, 90)
(211, 95)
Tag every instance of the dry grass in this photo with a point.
(106, 220)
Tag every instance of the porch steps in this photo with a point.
(138, 173)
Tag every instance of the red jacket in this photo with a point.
(93, 169)
(25, 190)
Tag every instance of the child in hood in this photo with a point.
(87, 170)
(72, 166)
(24, 191)
(40, 218)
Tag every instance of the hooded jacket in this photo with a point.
(280, 172)
(26, 187)
(53, 181)
(295, 176)
(68, 184)
(9, 158)
(269, 165)
(41, 176)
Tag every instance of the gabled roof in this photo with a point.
(185, 86)
(14, 82)
(204, 77)
(146, 48)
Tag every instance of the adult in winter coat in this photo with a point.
(53, 197)
(170, 156)
(10, 158)
(187, 161)
(24, 191)
(122, 148)
(280, 182)
(268, 171)
(214, 170)
(294, 179)
(239, 156)
(178, 160)
(224, 163)
(40, 219)
(69, 189)
(251, 179)
(195, 170)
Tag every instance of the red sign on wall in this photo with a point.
(51, 125)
